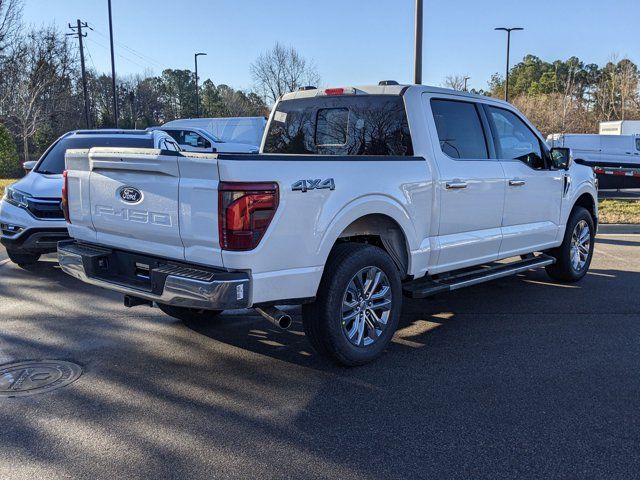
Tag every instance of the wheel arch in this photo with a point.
(588, 202)
(378, 221)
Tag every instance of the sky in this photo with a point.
(351, 42)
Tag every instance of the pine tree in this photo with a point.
(9, 162)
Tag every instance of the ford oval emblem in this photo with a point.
(130, 194)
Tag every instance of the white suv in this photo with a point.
(31, 220)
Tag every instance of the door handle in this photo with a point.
(456, 185)
(516, 183)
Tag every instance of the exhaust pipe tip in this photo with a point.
(285, 321)
(276, 316)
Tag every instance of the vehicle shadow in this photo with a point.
(472, 370)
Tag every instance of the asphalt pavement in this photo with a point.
(519, 378)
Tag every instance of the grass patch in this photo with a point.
(5, 182)
(619, 211)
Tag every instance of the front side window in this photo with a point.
(514, 140)
(194, 140)
(340, 125)
(459, 129)
(638, 144)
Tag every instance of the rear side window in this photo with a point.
(53, 159)
(638, 144)
(344, 125)
(459, 129)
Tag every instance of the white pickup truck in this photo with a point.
(358, 196)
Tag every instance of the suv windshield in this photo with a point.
(340, 125)
(53, 159)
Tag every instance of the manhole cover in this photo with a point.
(33, 377)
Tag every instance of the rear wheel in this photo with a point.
(573, 257)
(357, 308)
(191, 315)
(23, 259)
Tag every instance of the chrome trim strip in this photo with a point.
(178, 291)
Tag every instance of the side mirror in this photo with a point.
(561, 158)
(28, 166)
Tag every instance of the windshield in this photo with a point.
(53, 159)
(340, 125)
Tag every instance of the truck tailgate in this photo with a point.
(134, 200)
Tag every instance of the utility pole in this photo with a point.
(197, 100)
(113, 69)
(77, 32)
(417, 70)
(506, 77)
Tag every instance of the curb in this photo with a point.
(618, 228)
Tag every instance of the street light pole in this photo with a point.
(506, 78)
(197, 99)
(417, 70)
(465, 83)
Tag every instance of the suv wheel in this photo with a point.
(357, 308)
(23, 259)
(190, 315)
(574, 256)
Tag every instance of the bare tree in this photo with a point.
(282, 70)
(455, 82)
(43, 65)
(10, 16)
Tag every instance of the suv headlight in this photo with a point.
(16, 197)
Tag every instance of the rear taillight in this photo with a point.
(245, 211)
(64, 204)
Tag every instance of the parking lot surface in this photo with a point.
(519, 378)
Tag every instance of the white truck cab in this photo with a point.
(31, 219)
(358, 196)
(194, 139)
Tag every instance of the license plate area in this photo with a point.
(130, 269)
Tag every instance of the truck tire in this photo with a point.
(190, 315)
(574, 256)
(23, 259)
(357, 308)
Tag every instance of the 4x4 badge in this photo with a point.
(304, 185)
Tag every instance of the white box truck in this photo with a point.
(620, 127)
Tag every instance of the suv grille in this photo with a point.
(45, 208)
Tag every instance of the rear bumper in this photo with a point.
(167, 282)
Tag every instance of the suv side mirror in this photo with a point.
(561, 158)
(28, 166)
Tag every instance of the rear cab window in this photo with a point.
(460, 129)
(340, 125)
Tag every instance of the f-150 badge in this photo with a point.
(319, 184)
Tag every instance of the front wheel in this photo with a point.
(190, 315)
(357, 308)
(574, 256)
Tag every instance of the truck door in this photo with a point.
(534, 192)
(470, 186)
